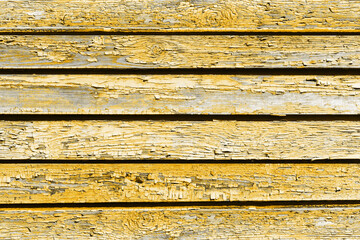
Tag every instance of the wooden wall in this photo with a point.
(159, 119)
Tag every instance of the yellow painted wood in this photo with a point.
(179, 140)
(92, 183)
(183, 16)
(124, 140)
(291, 222)
(179, 94)
(178, 51)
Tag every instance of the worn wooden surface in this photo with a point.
(179, 94)
(124, 140)
(92, 183)
(282, 222)
(181, 16)
(178, 51)
(219, 34)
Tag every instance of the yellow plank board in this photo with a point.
(179, 94)
(124, 140)
(174, 51)
(296, 222)
(182, 16)
(97, 183)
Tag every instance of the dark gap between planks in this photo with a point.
(185, 204)
(181, 161)
(64, 31)
(187, 71)
(178, 117)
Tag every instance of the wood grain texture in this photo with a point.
(98, 183)
(172, 140)
(179, 94)
(174, 51)
(324, 222)
(183, 16)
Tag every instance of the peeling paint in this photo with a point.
(220, 140)
(165, 15)
(175, 94)
(182, 223)
(178, 51)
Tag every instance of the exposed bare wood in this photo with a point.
(179, 140)
(91, 183)
(109, 44)
(325, 222)
(187, 51)
(184, 94)
(183, 16)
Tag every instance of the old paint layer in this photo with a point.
(325, 222)
(179, 94)
(91, 183)
(174, 140)
(184, 16)
(174, 51)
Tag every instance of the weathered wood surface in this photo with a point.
(179, 94)
(124, 140)
(186, 51)
(183, 16)
(324, 222)
(91, 183)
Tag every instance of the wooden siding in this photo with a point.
(319, 222)
(173, 140)
(179, 94)
(101, 183)
(132, 149)
(179, 51)
(179, 16)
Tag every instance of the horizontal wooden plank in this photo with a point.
(91, 183)
(333, 222)
(174, 51)
(184, 16)
(179, 94)
(124, 140)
